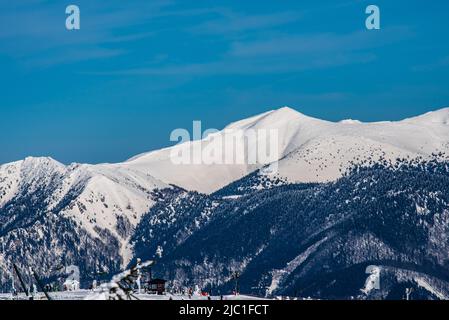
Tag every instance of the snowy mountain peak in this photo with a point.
(42, 162)
(272, 119)
(310, 149)
(350, 121)
(287, 114)
(284, 112)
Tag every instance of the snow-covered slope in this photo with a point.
(309, 149)
(97, 197)
(331, 148)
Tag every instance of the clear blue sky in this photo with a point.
(138, 69)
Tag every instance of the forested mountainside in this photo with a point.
(318, 240)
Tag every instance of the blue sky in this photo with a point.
(139, 69)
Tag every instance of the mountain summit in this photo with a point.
(310, 149)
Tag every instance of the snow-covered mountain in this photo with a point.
(98, 197)
(85, 214)
(310, 150)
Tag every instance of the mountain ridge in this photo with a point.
(106, 202)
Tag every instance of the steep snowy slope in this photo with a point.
(97, 197)
(200, 176)
(309, 150)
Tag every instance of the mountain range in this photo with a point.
(346, 195)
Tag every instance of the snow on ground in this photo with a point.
(424, 284)
(373, 280)
(279, 275)
(83, 294)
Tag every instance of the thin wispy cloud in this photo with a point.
(245, 67)
(36, 28)
(441, 63)
(130, 37)
(68, 56)
(320, 42)
(232, 22)
(284, 54)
